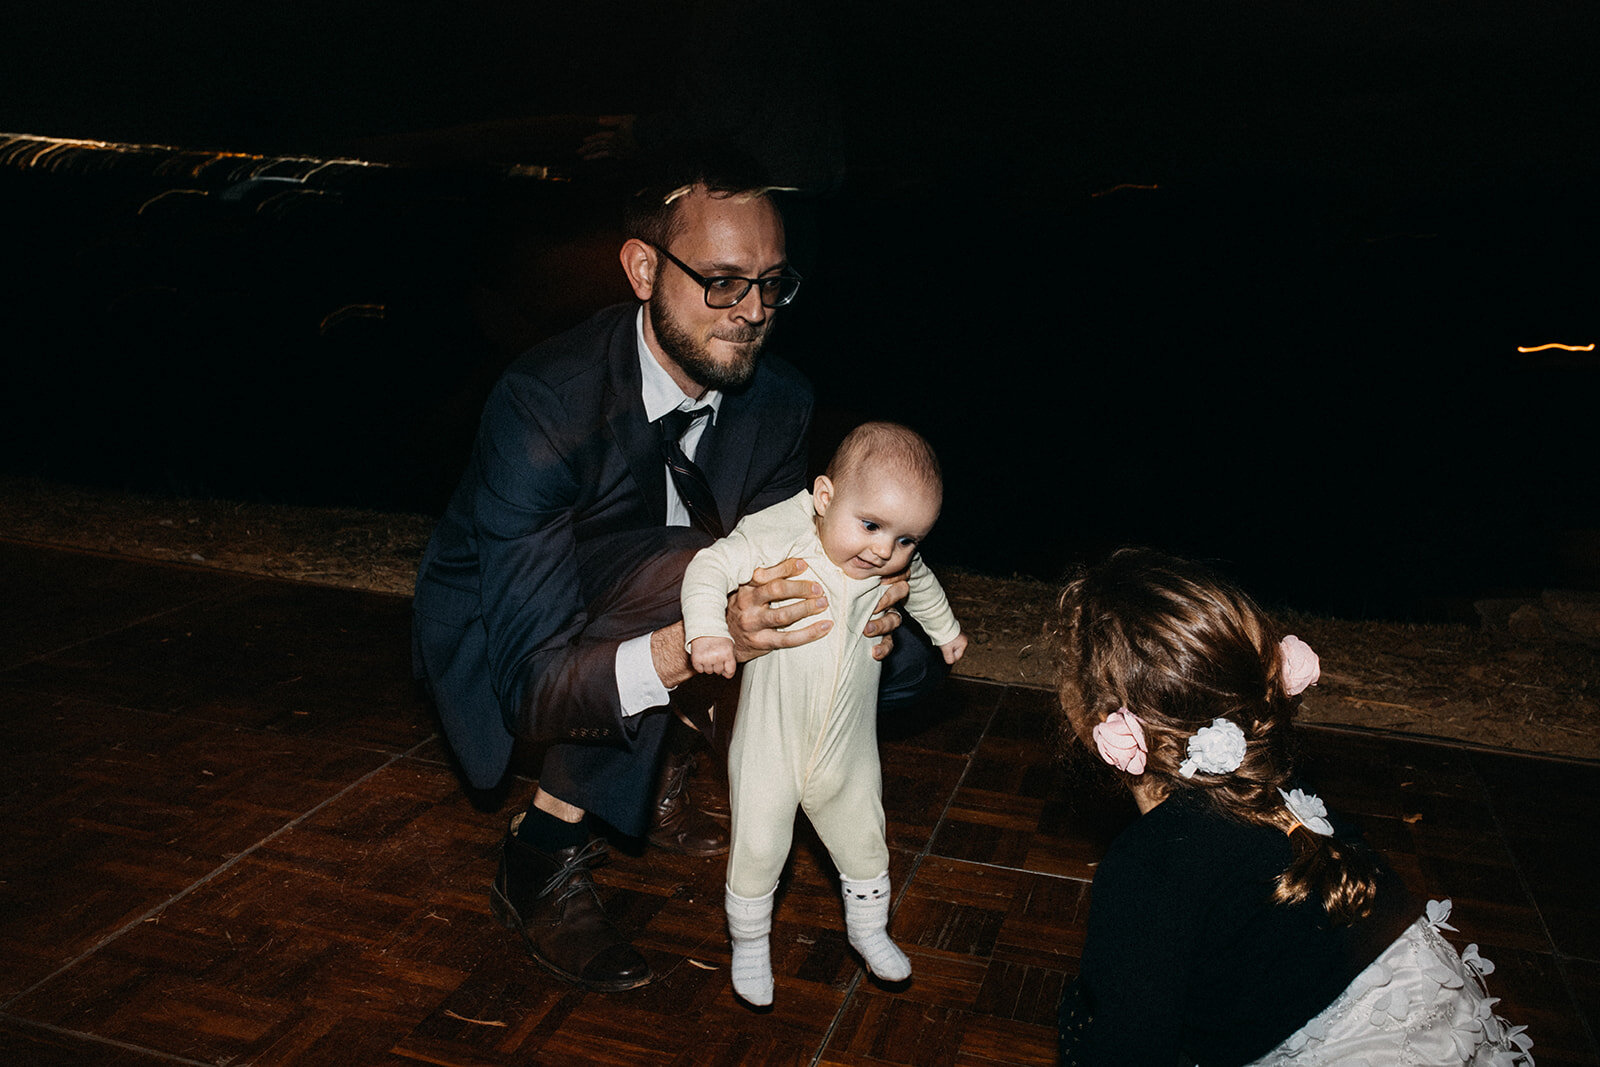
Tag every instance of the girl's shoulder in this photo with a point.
(1184, 839)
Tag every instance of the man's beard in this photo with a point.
(695, 358)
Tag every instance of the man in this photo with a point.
(547, 601)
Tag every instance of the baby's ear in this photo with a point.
(822, 493)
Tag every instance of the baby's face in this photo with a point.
(870, 523)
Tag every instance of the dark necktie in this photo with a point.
(690, 480)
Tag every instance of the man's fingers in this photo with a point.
(884, 624)
(789, 590)
(774, 618)
(893, 593)
(791, 638)
(787, 569)
(756, 625)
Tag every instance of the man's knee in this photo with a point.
(631, 580)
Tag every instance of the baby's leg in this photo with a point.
(749, 932)
(849, 819)
(866, 924)
(851, 824)
(763, 806)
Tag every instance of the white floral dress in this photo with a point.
(1420, 1004)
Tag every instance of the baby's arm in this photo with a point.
(927, 601)
(714, 572)
(758, 541)
(712, 655)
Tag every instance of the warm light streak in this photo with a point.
(1120, 188)
(54, 153)
(351, 311)
(171, 192)
(1565, 348)
(284, 196)
(220, 172)
(533, 170)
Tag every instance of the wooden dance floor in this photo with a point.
(233, 836)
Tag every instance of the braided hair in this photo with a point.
(1180, 647)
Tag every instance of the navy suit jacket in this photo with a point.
(564, 459)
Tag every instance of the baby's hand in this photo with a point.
(953, 648)
(712, 655)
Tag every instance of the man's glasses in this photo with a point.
(725, 291)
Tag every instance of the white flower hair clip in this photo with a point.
(1215, 749)
(1308, 810)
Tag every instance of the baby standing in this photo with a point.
(1235, 922)
(806, 733)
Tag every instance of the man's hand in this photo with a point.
(712, 655)
(886, 616)
(755, 624)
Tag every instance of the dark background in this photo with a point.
(1242, 280)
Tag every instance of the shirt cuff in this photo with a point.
(639, 687)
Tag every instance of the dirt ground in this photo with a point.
(1528, 679)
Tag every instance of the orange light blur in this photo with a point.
(1120, 188)
(1565, 348)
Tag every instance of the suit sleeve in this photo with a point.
(533, 607)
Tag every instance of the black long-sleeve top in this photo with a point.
(1188, 959)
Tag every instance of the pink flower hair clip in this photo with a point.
(1121, 742)
(1301, 667)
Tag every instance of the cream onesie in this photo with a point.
(807, 730)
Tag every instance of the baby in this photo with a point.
(806, 734)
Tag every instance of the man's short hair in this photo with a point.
(652, 213)
(887, 446)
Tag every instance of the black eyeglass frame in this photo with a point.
(789, 274)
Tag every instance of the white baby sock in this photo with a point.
(749, 927)
(866, 923)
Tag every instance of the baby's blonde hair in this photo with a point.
(888, 446)
(1179, 646)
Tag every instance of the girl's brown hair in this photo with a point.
(1179, 646)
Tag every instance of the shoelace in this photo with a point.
(579, 864)
(679, 777)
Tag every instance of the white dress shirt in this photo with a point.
(639, 688)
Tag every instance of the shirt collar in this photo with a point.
(660, 393)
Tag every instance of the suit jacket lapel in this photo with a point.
(724, 454)
(633, 433)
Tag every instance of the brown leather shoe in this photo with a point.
(677, 825)
(551, 901)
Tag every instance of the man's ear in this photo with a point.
(822, 494)
(639, 264)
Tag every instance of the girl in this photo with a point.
(1233, 923)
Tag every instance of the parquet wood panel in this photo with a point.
(111, 812)
(51, 599)
(233, 838)
(268, 656)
